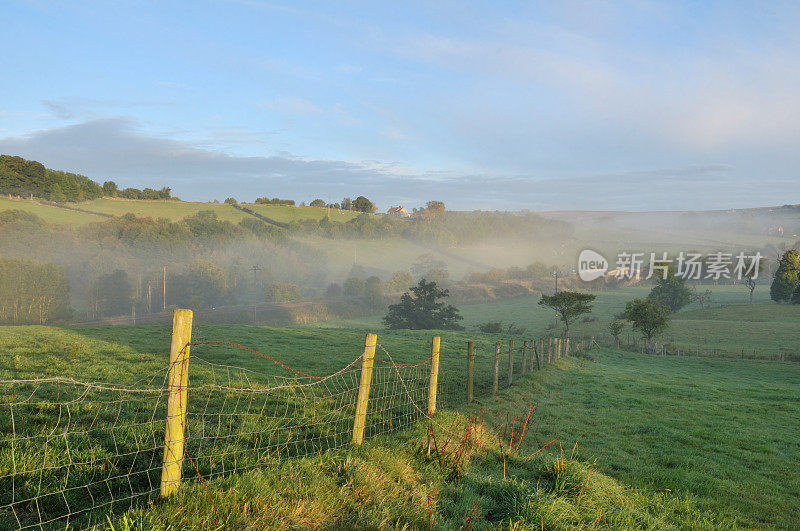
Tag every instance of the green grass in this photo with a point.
(721, 431)
(49, 213)
(288, 213)
(172, 210)
(688, 442)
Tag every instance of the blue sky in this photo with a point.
(497, 105)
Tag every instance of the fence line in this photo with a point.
(74, 451)
(670, 348)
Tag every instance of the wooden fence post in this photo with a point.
(496, 382)
(178, 380)
(524, 357)
(470, 370)
(541, 352)
(367, 360)
(549, 350)
(538, 351)
(566, 347)
(434, 375)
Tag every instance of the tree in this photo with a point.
(704, 297)
(422, 310)
(333, 291)
(569, 305)
(317, 203)
(399, 282)
(362, 204)
(672, 291)
(648, 316)
(434, 208)
(111, 294)
(355, 287)
(110, 189)
(231, 201)
(347, 204)
(373, 291)
(616, 327)
(281, 292)
(784, 283)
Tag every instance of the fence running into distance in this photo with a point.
(74, 451)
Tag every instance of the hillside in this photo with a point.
(622, 452)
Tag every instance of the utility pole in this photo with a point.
(255, 269)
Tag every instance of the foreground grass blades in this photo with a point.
(393, 482)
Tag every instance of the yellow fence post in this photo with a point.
(566, 347)
(367, 361)
(496, 382)
(549, 350)
(510, 362)
(470, 370)
(434, 375)
(178, 380)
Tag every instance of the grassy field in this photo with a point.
(729, 325)
(393, 481)
(722, 431)
(288, 213)
(171, 210)
(49, 213)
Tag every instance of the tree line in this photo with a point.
(21, 177)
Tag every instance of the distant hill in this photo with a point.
(25, 178)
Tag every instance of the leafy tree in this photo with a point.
(317, 203)
(231, 201)
(355, 287)
(672, 291)
(434, 208)
(569, 305)
(333, 291)
(281, 292)
(399, 282)
(616, 327)
(784, 283)
(373, 291)
(32, 293)
(111, 294)
(110, 189)
(422, 310)
(648, 316)
(347, 204)
(362, 204)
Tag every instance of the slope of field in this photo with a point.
(49, 213)
(392, 481)
(172, 210)
(723, 431)
(288, 213)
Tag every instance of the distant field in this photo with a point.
(288, 213)
(172, 210)
(730, 324)
(48, 213)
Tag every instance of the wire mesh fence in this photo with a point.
(76, 451)
(72, 452)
